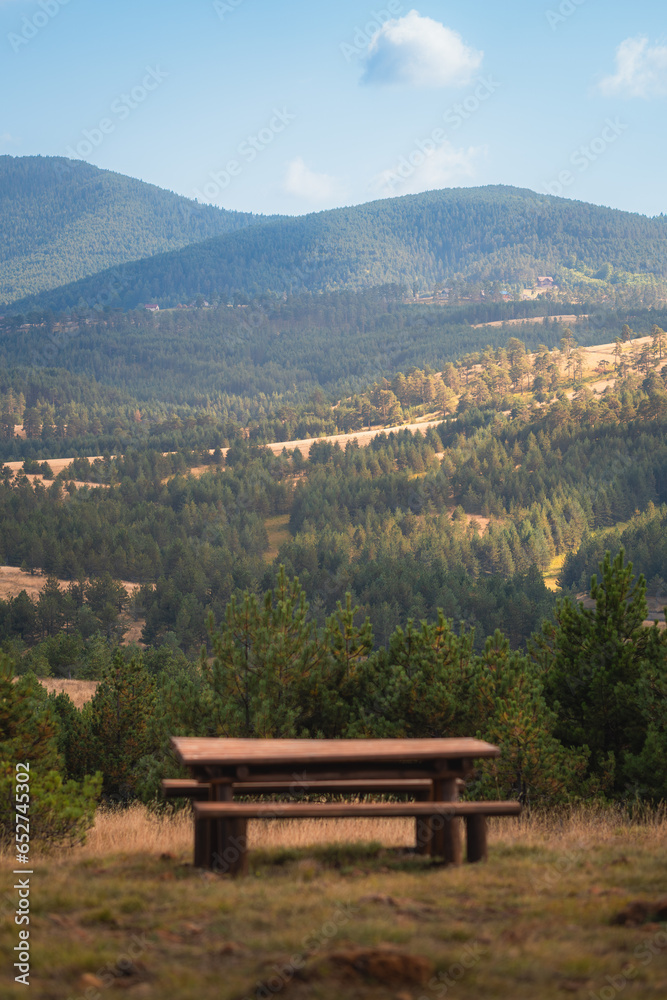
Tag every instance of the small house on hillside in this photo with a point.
(152, 307)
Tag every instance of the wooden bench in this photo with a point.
(437, 821)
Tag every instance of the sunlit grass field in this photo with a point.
(341, 909)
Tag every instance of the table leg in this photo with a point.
(423, 831)
(476, 838)
(202, 843)
(446, 842)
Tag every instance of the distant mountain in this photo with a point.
(61, 220)
(471, 234)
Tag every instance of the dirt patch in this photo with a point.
(384, 965)
(641, 912)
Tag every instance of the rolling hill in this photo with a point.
(64, 219)
(493, 233)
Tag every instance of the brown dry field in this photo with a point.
(79, 691)
(523, 322)
(363, 438)
(57, 464)
(13, 580)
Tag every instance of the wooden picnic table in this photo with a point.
(305, 766)
(229, 760)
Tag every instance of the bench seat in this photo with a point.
(322, 810)
(220, 827)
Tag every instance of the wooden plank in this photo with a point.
(345, 786)
(184, 788)
(250, 752)
(189, 788)
(317, 810)
(302, 777)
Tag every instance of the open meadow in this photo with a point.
(575, 906)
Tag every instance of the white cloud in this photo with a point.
(308, 185)
(7, 139)
(421, 52)
(444, 166)
(641, 70)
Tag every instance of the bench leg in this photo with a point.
(239, 845)
(446, 842)
(476, 838)
(423, 832)
(202, 843)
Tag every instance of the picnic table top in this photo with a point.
(193, 751)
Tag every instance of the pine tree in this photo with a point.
(29, 731)
(124, 725)
(262, 656)
(509, 709)
(598, 657)
(341, 679)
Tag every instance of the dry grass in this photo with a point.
(79, 691)
(553, 572)
(534, 923)
(138, 829)
(569, 319)
(56, 464)
(277, 529)
(13, 580)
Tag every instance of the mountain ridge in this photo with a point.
(495, 233)
(64, 220)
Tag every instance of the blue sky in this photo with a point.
(296, 106)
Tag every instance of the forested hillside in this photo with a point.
(393, 524)
(411, 554)
(313, 365)
(336, 342)
(63, 219)
(417, 579)
(492, 234)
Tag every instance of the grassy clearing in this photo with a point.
(13, 580)
(79, 691)
(359, 920)
(277, 528)
(553, 572)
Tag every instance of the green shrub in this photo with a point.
(59, 811)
